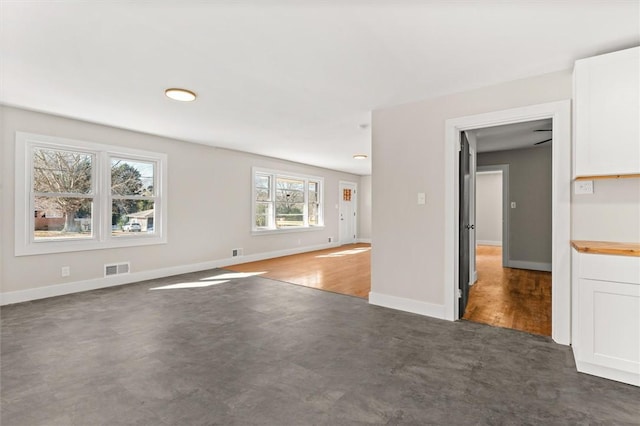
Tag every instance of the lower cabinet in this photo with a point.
(606, 316)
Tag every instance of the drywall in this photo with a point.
(530, 188)
(209, 209)
(408, 153)
(364, 209)
(489, 208)
(611, 213)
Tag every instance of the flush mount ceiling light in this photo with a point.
(360, 157)
(182, 95)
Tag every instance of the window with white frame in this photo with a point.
(284, 201)
(75, 195)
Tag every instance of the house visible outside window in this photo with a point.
(75, 195)
(62, 185)
(283, 201)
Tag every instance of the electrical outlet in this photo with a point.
(583, 187)
(65, 271)
(513, 204)
(422, 198)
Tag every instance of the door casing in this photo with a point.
(560, 113)
(343, 215)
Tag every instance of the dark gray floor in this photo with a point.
(256, 351)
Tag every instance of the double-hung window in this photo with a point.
(74, 195)
(284, 201)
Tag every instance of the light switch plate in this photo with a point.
(513, 204)
(422, 198)
(583, 187)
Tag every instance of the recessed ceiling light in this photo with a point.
(360, 157)
(182, 95)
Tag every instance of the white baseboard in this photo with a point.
(407, 305)
(608, 373)
(364, 240)
(488, 243)
(533, 266)
(43, 292)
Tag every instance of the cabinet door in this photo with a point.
(607, 114)
(609, 315)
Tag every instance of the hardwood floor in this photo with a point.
(511, 298)
(344, 270)
(503, 297)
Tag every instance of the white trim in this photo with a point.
(608, 373)
(533, 266)
(506, 210)
(560, 113)
(274, 175)
(364, 240)
(45, 291)
(101, 238)
(341, 187)
(407, 305)
(489, 243)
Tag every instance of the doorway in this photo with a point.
(513, 290)
(560, 114)
(348, 218)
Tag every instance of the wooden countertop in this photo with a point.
(607, 247)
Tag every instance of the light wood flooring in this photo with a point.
(503, 297)
(344, 270)
(511, 298)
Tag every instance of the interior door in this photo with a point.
(464, 222)
(347, 212)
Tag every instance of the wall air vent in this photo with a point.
(116, 269)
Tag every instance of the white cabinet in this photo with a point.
(607, 114)
(606, 316)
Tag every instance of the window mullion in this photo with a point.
(305, 207)
(272, 201)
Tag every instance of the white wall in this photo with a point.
(530, 187)
(209, 206)
(489, 208)
(611, 213)
(408, 154)
(364, 208)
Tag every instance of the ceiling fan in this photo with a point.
(546, 140)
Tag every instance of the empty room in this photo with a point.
(319, 212)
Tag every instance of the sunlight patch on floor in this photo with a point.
(189, 285)
(209, 281)
(233, 275)
(346, 252)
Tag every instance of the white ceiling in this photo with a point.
(286, 79)
(513, 136)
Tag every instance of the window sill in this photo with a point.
(62, 246)
(286, 230)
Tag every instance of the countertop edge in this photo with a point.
(607, 247)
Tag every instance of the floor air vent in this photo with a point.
(116, 269)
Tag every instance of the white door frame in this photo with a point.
(354, 199)
(504, 169)
(560, 113)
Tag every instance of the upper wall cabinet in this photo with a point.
(607, 114)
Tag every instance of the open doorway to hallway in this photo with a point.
(510, 226)
(508, 297)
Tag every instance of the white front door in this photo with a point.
(348, 212)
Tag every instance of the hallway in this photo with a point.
(512, 298)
